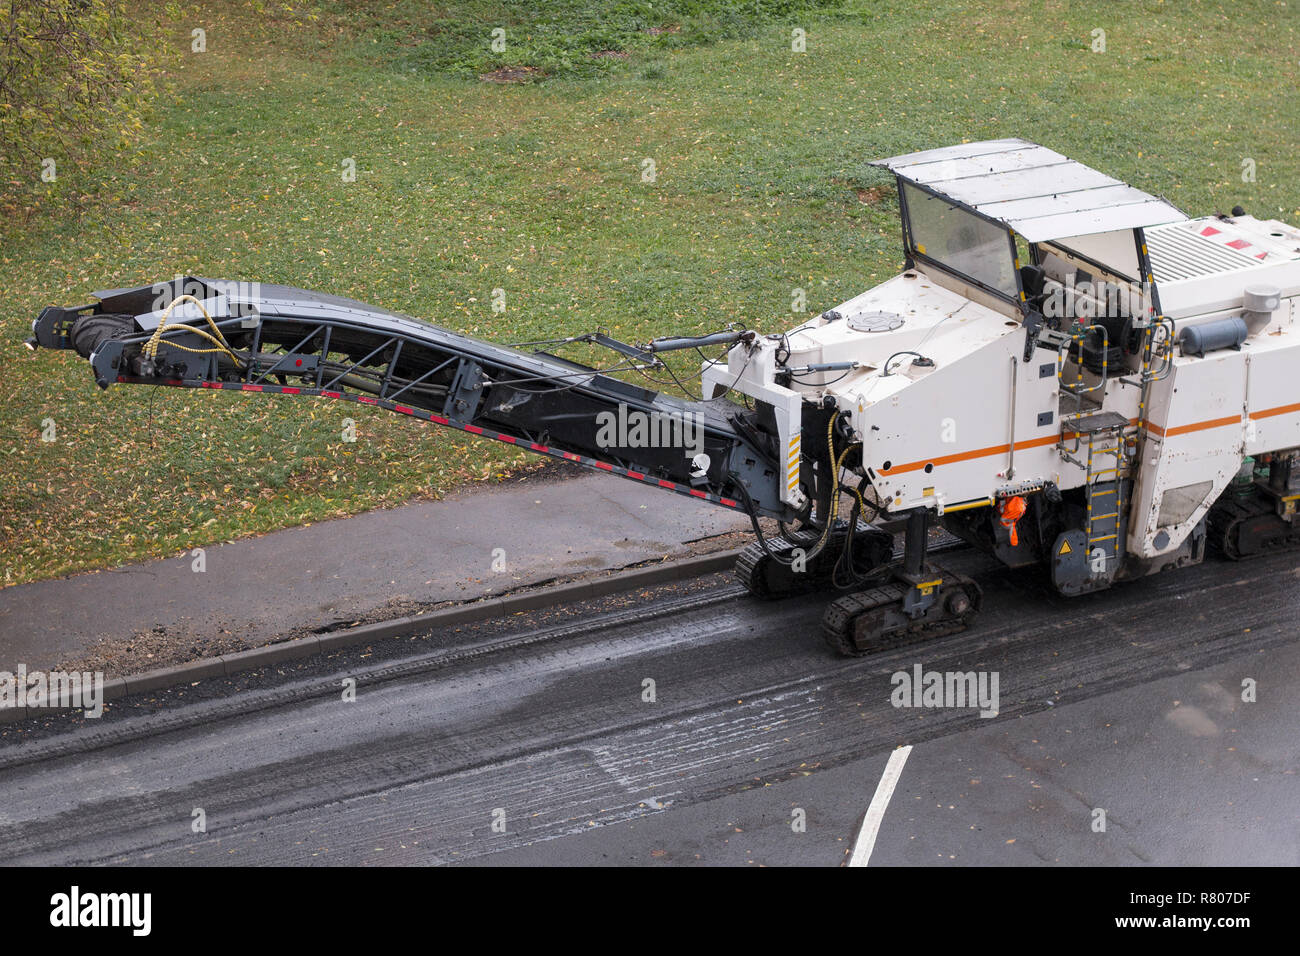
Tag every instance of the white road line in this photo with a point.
(876, 812)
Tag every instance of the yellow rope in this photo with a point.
(219, 340)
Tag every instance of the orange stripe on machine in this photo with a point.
(1053, 439)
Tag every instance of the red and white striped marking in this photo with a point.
(1241, 245)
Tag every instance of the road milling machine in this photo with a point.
(1069, 374)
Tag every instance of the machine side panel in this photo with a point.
(1192, 449)
(1273, 397)
(946, 438)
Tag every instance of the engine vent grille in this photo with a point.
(1178, 251)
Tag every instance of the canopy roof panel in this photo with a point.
(1034, 190)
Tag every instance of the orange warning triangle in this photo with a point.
(1065, 548)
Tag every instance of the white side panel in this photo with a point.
(1194, 446)
(956, 421)
(1273, 398)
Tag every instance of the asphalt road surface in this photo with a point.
(538, 742)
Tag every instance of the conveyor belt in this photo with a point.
(282, 340)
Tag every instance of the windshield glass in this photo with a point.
(966, 244)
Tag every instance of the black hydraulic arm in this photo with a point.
(223, 334)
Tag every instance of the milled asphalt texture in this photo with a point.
(1129, 701)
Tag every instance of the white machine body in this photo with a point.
(969, 380)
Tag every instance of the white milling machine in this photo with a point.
(1070, 372)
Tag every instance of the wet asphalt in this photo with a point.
(696, 725)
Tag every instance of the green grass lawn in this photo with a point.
(464, 186)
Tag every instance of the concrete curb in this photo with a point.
(228, 664)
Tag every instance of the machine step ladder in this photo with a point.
(1101, 440)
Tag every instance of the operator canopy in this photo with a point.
(1036, 191)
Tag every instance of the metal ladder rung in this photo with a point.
(1095, 476)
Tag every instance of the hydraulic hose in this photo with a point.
(835, 466)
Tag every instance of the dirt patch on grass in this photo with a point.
(867, 195)
(513, 74)
(872, 195)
